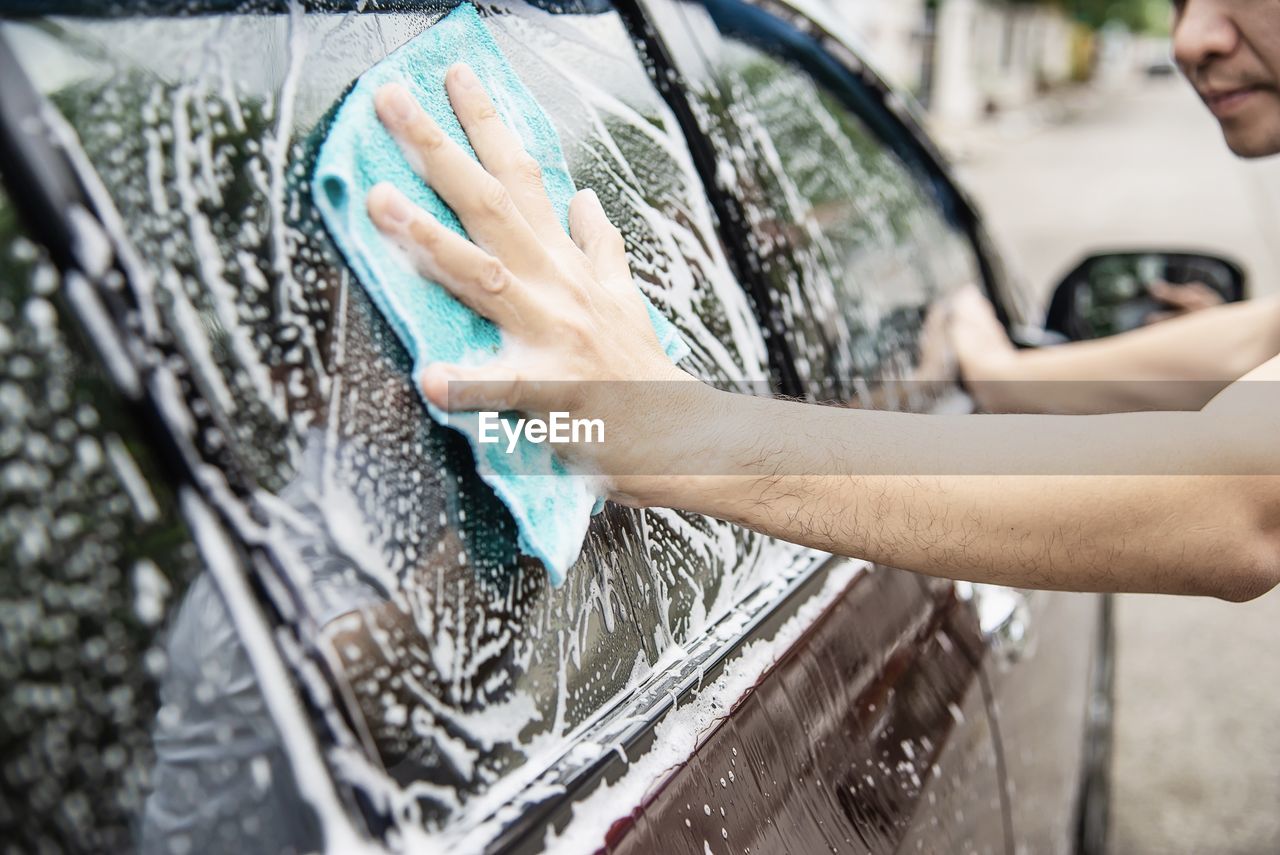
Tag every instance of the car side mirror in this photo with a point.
(1113, 293)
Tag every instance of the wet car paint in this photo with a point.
(869, 735)
(1043, 700)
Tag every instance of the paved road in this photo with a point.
(1197, 763)
(1139, 166)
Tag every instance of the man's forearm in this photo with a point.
(1174, 365)
(1002, 499)
(911, 491)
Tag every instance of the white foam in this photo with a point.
(680, 732)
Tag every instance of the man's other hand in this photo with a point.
(1181, 299)
(984, 353)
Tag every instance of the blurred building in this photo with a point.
(895, 32)
(967, 58)
(993, 56)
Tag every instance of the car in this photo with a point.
(257, 600)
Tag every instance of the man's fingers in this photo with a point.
(598, 239)
(469, 273)
(1189, 297)
(481, 202)
(1170, 295)
(496, 386)
(503, 155)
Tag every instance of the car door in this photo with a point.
(854, 236)
(1052, 696)
(903, 237)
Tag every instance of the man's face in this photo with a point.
(1230, 51)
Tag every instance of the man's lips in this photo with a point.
(1225, 101)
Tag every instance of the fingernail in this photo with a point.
(466, 77)
(398, 102)
(397, 209)
(439, 371)
(434, 382)
(585, 198)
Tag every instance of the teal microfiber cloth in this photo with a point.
(551, 507)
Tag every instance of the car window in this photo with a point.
(465, 670)
(116, 644)
(853, 240)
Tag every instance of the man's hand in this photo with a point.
(1181, 299)
(575, 328)
(979, 339)
(983, 351)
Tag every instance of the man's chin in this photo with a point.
(1252, 141)
(1251, 150)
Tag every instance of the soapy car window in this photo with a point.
(467, 669)
(116, 646)
(852, 242)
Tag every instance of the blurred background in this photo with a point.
(1070, 126)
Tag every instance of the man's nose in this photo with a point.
(1203, 31)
